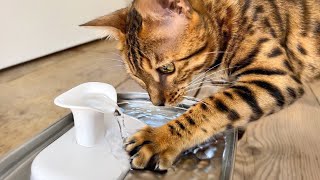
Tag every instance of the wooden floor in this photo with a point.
(283, 146)
(28, 90)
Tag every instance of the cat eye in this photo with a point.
(167, 69)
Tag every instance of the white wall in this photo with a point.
(33, 28)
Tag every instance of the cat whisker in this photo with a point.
(221, 83)
(116, 54)
(208, 105)
(200, 87)
(194, 89)
(213, 73)
(191, 98)
(199, 76)
(206, 86)
(217, 52)
(114, 68)
(114, 58)
(205, 81)
(213, 82)
(110, 59)
(118, 65)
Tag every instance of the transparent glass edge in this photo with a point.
(229, 154)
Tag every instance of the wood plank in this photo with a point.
(315, 87)
(282, 146)
(129, 86)
(27, 107)
(16, 72)
(100, 46)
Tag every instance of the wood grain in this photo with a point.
(282, 146)
(129, 86)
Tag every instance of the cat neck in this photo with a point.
(227, 13)
(224, 17)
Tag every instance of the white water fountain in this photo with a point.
(93, 148)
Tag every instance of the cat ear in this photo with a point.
(162, 8)
(114, 23)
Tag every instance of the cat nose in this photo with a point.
(157, 100)
(159, 103)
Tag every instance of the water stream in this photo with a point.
(115, 137)
(106, 105)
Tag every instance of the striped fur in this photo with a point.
(265, 48)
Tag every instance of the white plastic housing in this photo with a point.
(64, 159)
(89, 121)
(89, 127)
(93, 149)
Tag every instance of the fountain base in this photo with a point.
(65, 159)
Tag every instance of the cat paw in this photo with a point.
(153, 149)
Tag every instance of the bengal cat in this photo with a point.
(264, 49)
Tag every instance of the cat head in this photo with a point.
(164, 43)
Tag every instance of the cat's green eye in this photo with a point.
(167, 69)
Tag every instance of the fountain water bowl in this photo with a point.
(93, 148)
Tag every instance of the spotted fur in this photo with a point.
(265, 49)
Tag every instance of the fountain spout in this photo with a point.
(90, 103)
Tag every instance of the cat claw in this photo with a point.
(134, 156)
(156, 168)
(127, 143)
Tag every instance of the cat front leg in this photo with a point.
(249, 99)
